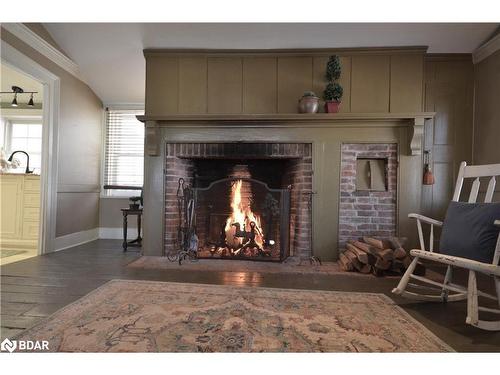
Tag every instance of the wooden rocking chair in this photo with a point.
(471, 293)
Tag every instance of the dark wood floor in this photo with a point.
(37, 287)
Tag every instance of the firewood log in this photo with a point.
(397, 245)
(386, 254)
(345, 263)
(382, 264)
(380, 244)
(365, 247)
(366, 268)
(353, 259)
(400, 253)
(397, 242)
(362, 256)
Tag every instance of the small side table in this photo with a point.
(138, 240)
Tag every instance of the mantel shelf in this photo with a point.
(284, 118)
(415, 120)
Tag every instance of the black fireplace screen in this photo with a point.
(242, 218)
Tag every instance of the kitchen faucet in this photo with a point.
(27, 162)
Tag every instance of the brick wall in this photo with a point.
(367, 213)
(180, 161)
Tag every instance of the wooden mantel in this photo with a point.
(415, 120)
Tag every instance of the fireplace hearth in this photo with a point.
(251, 201)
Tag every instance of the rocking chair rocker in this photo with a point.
(471, 293)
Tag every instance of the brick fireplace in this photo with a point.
(366, 209)
(308, 152)
(283, 169)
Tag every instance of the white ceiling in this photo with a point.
(110, 54)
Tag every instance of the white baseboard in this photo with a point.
(117, 233)
(75, 239)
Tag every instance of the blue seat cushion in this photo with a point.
(469, 232)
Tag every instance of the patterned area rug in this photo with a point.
(144, 316)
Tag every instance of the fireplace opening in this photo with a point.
(242, 208)
(250, 201)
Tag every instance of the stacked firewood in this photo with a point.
(378, 256)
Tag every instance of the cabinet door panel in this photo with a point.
(31, 200)
(12, 200)
(30, 230)
(31, 213)
(32, 184)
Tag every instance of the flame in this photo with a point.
(241, 214)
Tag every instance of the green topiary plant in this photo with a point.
(333, 68)
(333, 92)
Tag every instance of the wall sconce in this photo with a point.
(16, 90)
(428, 178)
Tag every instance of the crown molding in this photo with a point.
(487, 49)
(40, 45)
(179, 52)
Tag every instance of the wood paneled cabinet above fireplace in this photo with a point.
(249, 82)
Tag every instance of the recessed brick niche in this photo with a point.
(364, 211)
(280, 165)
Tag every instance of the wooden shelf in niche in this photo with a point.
(371, 174)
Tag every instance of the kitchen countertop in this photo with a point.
(18, 174)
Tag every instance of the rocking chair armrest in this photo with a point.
(497, 222)
(426, 219)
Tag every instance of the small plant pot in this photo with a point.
(332, 107)
(134, 206)
(308, 104)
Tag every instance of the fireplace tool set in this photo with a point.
(186, 233)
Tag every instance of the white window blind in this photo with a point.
(124, 154)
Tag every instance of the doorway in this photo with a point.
(31, 127)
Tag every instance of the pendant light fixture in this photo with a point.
(16, 90)
(14, 101)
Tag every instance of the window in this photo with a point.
(124, 154)
(25, 136)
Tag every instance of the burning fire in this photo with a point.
(241, 214)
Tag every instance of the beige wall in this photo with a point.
(487, 112)
(448, 92)
(374, 80)
(80, 126)
(110, 215)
